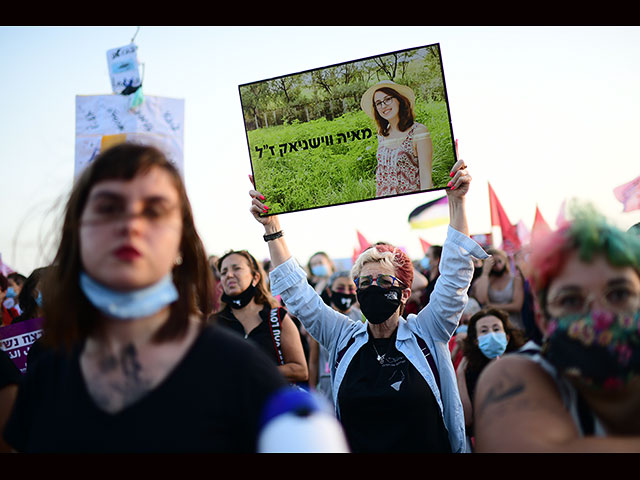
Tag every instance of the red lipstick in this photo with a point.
(127, 253)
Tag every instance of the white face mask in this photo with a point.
(129, 305)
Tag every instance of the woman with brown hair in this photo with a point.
(490, 334)
(129, 364)
(248, 308)
(405, 149)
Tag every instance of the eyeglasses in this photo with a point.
(385, 101)
(102, 212)
(618, 299)
(383, 281)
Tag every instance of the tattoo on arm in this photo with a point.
(501, 391)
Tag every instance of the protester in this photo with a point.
(459, 336)
(579, 392)
(405, 149)
(130, 365)
(8, 309)
(320, 268)
(489, 335)
(498, 287)
(248, 308)
(527, 314)
(343, 299)
(30, 297)
(15, 281)
(394, 386)
(432, 265)
(216, 287)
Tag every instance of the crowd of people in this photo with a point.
(149, 344)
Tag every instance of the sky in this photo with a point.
(543, 114)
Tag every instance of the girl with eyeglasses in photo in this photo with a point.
(405, 149)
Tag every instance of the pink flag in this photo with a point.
(629, 195)
(364, 243)
(425, 245)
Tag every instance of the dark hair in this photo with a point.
(475, 357)
(322, 254)
(68, 315)
(263, 295)
(17, 278)
(27, 297)
(405, 112)
(437, 251)
(4, 283)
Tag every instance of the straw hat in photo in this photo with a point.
(367, 98)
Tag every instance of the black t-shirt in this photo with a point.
(9, 373)
(211, 402)
(389, 408)
(261, 335)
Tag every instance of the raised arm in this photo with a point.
(278, 250)
(459, 186)
(322, 322)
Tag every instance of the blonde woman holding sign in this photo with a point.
(394, 386)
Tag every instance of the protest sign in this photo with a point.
(105, 120)
(16, 339)
(317, 138)
(123, 69)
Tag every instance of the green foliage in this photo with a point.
(341, 172)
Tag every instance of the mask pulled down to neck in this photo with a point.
(129, 305)
(242, 299)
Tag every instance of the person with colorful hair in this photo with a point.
(579, 391)
(405, 148)
(394, 386)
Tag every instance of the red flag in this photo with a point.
(540, 226)
(511, 242)
(425, 245)
(629, 195)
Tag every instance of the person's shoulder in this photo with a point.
(419, 128)
(225, 343)
(515, 371)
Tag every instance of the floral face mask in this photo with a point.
(599, 347)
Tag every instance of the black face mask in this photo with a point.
(343, 301)
(240, 300)
(378, 304)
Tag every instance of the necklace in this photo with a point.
(379, 357)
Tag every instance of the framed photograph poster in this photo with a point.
(351, 132)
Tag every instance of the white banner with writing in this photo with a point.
(106, 120)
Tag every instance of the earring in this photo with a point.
(179, 260)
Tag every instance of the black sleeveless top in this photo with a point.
(262, 335)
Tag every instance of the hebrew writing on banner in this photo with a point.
(356, 131)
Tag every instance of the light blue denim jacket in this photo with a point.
(434, 324)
